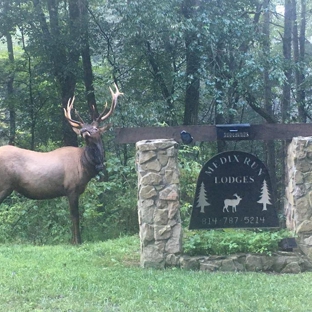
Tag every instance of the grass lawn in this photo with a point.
(106, 277)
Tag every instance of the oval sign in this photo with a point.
(233, 191)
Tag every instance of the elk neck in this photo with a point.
(93, 157)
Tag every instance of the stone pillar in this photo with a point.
(298, 203)
(158, 203)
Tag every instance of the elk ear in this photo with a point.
(105, 128)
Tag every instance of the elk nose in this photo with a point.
(84, 132)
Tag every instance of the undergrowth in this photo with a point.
(223, 242)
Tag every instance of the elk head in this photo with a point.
(94, 151)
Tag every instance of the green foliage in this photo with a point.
(190, 162)
(110, 208)
(34, 221)
(223, 242)
(189, 170)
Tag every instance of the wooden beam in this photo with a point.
(206, 133)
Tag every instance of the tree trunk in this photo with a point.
(86, 59)
(270, 145)
(10, 81)
(68, 83)
(189, 10)
(10, 90)
(64, 63)
(193, 81)
(219, 116)
(299, 50)
(285, 102)
(286, 95)
(167, 95)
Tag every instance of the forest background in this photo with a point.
(178, 62)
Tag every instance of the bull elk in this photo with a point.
(65, 171)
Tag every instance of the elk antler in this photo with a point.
(79, 124)
(113, 106)
(67, 113)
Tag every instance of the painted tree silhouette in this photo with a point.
(201, 200)
(265, 196)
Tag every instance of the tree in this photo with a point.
(285, 102)
(86, 57)
(267, 86)
(265, 196)
(190, 11)
(62, 54)
(298, 35)
(7, 29)
(201, 200)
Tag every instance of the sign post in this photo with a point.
(233, 191)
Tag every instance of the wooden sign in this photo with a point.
(233, 191)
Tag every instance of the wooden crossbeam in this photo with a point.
(206, 133)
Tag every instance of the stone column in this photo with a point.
(298, 203)
(158, 203)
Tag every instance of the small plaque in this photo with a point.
(233, 132)
(233, 191)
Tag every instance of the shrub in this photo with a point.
(34, 221)
(189, 171)
(223, 242)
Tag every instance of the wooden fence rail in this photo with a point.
(206, 133)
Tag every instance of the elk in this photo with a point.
(65, 171)
(231, 203)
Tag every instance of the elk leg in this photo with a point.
(74, 214)
(4, 194)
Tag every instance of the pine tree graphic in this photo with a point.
(265, 196)
(201, 200)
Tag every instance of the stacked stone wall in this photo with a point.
(278, 262)
(158, 202)
(298, 203)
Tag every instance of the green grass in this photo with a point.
(106, 277)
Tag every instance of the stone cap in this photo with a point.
(155, 144)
